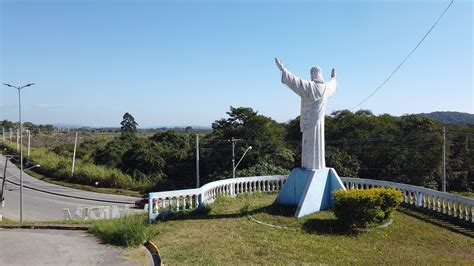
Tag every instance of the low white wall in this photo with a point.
(176, 200)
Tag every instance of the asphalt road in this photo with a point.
(40, 206)
(56, 247)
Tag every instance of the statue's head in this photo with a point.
(316, 75)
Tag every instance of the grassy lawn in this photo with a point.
(226, 236)
(465, 194)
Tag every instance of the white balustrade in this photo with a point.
(425, 198)
(193, 198)
(445, 203)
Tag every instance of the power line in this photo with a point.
(404, 60)
(460, 132)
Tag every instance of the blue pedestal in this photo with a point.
(310, 190)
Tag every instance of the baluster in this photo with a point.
(472, 214)
(455, 209)
(177, 203)
(466, 213)
(196, 201)
(461, 211)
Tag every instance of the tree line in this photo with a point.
(405, 149)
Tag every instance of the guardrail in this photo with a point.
(455, 206)
(188, 199)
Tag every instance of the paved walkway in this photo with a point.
(56, 247)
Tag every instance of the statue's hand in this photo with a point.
(333, 73)
(279, 64)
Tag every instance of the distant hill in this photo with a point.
(456, 118)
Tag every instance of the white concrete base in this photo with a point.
(310, 190)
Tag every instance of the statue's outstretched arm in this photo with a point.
(298, 85)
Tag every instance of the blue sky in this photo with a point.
(178, 63)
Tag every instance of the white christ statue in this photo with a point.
(314, 95)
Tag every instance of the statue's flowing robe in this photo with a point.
(314, 96)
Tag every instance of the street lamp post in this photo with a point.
(234, 166)
(19, 88)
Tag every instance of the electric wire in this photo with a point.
(404, 60)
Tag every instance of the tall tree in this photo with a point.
(129, 125)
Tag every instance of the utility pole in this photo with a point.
(233, 157)
(197, 160)
(29, 145)
(74, 156)
(3, 134)
(17, 140)
(443, 184)
(233, 154)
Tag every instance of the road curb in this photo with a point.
(154, 252)
(82, 227)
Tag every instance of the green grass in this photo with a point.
(127, 231)
(465, 194)
(114, 191)
(58, 167)
(227, 236)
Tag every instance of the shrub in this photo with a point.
(359, 208)
(126, 231)
(391, 198)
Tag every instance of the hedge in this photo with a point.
(360, 208)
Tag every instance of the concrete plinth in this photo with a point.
(310, 190)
